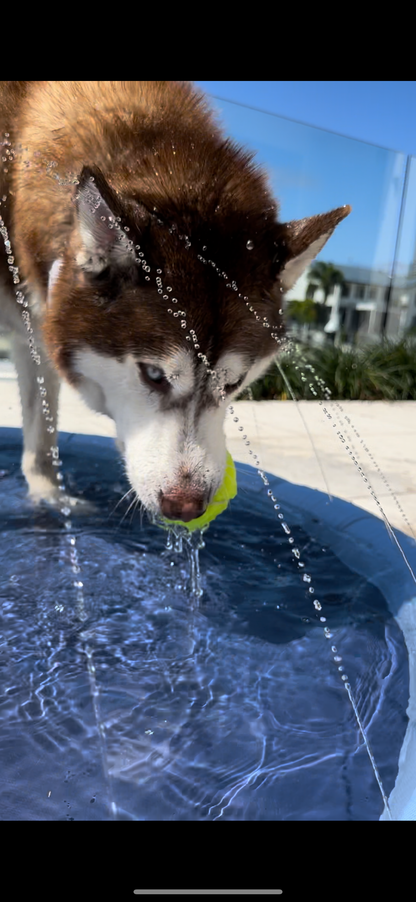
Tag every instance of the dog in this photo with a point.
(153, 264)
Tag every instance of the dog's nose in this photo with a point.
(183, 505)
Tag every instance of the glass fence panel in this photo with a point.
(312, 171)
(401, 311)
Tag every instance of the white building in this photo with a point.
(361, 302)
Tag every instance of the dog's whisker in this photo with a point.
(134, 508)
(119, 502)
(128, 509)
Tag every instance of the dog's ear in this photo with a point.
(299, 241)
(101, 219)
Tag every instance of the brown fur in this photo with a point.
(156, 143)
(196, 205)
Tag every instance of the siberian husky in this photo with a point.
(154, 264)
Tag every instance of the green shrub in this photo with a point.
(366, 373)
(302, 311)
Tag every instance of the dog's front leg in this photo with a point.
(37, 440)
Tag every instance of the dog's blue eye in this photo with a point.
(154, 376)
(154, 373)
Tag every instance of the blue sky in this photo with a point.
(380, 112)
(345, 157)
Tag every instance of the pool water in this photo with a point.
(145, 703)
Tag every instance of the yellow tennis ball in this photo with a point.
(226, 491)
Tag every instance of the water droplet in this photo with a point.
(250, 245)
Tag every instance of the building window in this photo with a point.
(345, 292)
(359, 292)
(372, 292)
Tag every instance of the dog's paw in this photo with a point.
(43, 491)
(45, 488)
(68, 504)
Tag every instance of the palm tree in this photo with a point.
(325, 276)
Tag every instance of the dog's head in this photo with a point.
(167, 304)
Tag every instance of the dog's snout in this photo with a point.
(183, 505)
